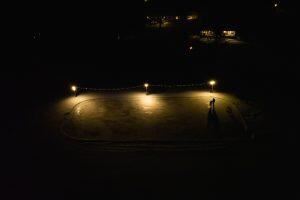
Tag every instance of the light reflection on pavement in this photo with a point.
(134, 116)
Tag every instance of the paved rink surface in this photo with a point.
(134, 116)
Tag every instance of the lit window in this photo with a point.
(207, 33)
(229, 33)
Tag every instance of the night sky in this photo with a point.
(122, 15)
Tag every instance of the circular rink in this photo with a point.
(153, 118)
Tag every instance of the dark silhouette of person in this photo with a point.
(210, 104)
(213, 103)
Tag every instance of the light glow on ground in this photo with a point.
(167, 116)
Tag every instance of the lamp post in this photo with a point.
(74, 89)
(146, 85)
(212, 83)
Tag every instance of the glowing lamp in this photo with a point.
(212, 82)
(146, 85)
(74, 88)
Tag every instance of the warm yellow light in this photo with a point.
(191, 48)
(146, 85)
(212, 82)
(177, 17)
(148, 103)
(73, 88)
(229, 33)
(275, 5)
(207, 33)
(192, 17)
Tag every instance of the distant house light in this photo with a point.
(192, 17)
(177, 17)
(207, 33)
(229, 33)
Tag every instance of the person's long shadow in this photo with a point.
(213, 119)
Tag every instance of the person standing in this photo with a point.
(213, 103)
(210, 104)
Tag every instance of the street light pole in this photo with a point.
(74, 89)
(146, 85)
(212, 83)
